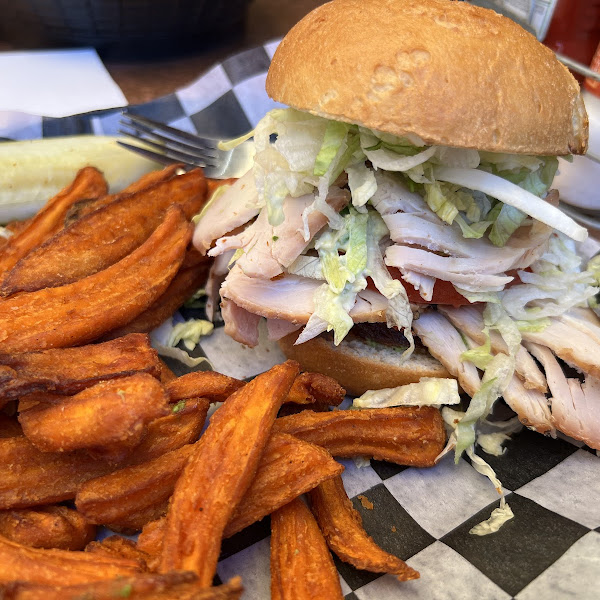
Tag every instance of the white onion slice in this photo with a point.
(513, 195)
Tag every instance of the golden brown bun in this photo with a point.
(450, 72)
(358, 366)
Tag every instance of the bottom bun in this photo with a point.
(359, 366)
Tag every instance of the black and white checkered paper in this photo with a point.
(550, 549)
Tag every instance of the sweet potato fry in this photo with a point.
(342, 528)
(71, 370)
(15, 227)
(120, 547)
(31, 477)
(110, 413)
(288, 468)
(168, 433)
(219, 472)
(183, 286)
(145, 586)
(9, 426)
(47, 527)
(314, 388)
(88, 183)
(403, 435)
(105, 236)
(150, 539)
(84, 207)
(82, 311)
(308, 388)
(301, 564)
(166, 375)
(20, 563)
(131, 497)
(203, 384)
(194, 257)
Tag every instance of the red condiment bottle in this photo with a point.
(575, 30)
(593, 85)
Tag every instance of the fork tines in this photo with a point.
(167, 144)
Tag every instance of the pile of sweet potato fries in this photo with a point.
(95, 430)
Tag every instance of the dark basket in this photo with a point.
(102, 22)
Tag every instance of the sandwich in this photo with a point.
(399, 222)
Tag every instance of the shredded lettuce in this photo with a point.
(593, 267)
(500, 515)
(159, 338)
(429, 391)
(533, 326)
(307, 266)
(335, 134)
(362, 183)
(343, 259)
(332, 312)
(299, 153)
(181, 355)
(506, 220)
(189, 332)
(532, 173)
(498, 372)
(555, 284)
(343, 253)
(390, 156)
(481, 356)
(491, 443)
(198, 300)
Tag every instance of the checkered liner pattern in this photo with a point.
(551, 549)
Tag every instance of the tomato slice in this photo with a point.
(443, 292)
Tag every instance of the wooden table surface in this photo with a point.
(144, 79)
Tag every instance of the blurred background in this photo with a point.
(152, 47)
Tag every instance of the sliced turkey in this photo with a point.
(277, 329)
(580, 321)
(575, 406)
(467, 273)
(430, 232)
(216, 276)
(268, 249)
(392, 196)
(238, 205)
(530, 405)
(445, 343)
(469, 319)
(240, 324)
(290, 298)
(575, 347)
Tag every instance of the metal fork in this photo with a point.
(168, 145)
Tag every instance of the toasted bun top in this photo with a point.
(450, 72)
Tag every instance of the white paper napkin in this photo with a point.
(56, 83)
